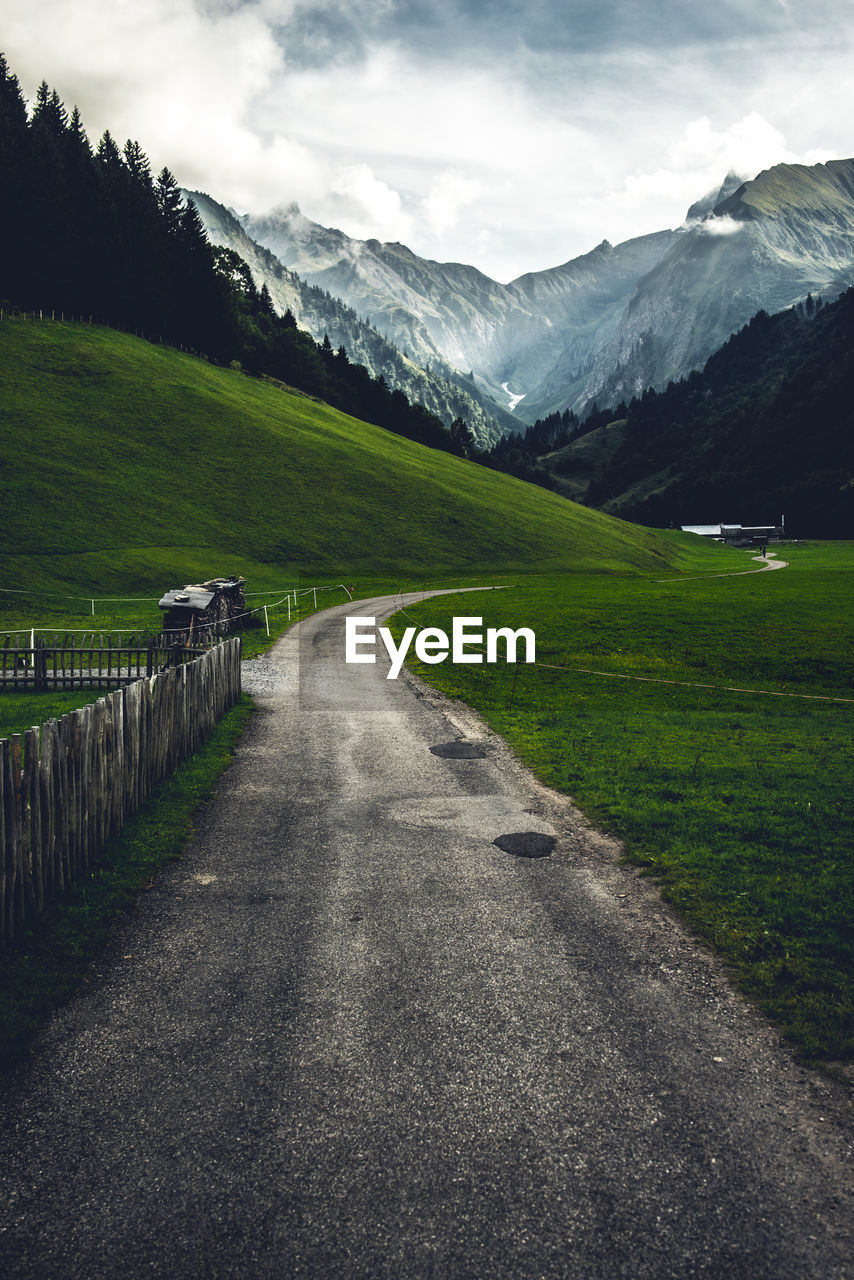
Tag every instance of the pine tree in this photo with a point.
(265, 302)
(46, 198)
(81, 212)
(170, 202)
(14, 240)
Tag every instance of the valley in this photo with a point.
(485, 909)
(608, 324)
(286, 489)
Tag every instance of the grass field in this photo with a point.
(741, 802)
(127, 463)
(126, 469)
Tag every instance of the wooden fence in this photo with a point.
(66, 789)
(87, 660)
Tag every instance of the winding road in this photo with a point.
(348, 1036)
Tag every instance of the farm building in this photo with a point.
(738, 535)
(203, 610)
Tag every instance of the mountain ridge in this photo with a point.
(765, 428)
(606, 324)
(441, 388)
(755, 251)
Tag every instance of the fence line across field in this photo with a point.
(619, 675)
(291, 593)
(101, 664)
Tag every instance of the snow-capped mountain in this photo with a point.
(432, 382)
(604, 325)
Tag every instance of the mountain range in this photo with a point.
(599, 328)
(432, 382)
(765, 429)
(89, 231)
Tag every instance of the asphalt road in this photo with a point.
(348, 1036)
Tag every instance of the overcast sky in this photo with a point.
(512, 134)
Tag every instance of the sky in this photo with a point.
(509, 134)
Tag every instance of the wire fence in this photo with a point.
(59, 636)
(52, 315)
(619, 675)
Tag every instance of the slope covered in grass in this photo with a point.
(118, 457)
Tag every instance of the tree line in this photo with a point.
(91, 231)
(765, 428)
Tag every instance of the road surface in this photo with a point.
(349, 1036)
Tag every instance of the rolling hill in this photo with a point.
(125, 462)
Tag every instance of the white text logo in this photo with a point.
(432, 643)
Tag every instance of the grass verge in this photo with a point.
(20, 711)
(47, 963)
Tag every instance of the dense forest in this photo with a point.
(765, 428)
(90, 231)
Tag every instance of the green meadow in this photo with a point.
(127, 468)
(708, 723)
(126, 463)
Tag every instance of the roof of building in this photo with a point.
(187, 598)
(722, 530)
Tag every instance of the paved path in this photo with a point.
(348, 1036)
(767, 562)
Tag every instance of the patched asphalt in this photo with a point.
(348, 1035)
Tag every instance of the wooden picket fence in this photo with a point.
(87, 660)
(64, 790)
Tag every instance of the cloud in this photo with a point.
(368, 206)
(746, 146)
(697, 160)
(514, 135)
(181, 81)
(450, 195)
(719, 226)
(112, 57)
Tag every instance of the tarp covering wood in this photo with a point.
(205, 609)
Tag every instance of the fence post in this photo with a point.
(10, 836)
(31, 823)
(40, 664)
(18, 902)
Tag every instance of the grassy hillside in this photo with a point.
(125, 463)
(585, 460)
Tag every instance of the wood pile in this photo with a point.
(205, 609)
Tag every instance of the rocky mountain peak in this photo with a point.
(709, 202)
(609, 322)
